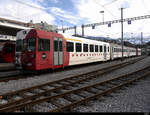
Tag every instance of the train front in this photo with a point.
(25, 50)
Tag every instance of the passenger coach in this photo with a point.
(38, 50)
(7, 52)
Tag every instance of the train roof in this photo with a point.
(81, 39)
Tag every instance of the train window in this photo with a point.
(112, 49)
(44, 45)
(31, 44)
(78, 47)
(104, 48)
(60, 46)
(91, 48)
(101, 48)
(85, 47)
(55, 45)
(108, 48)
(96, 48)
(70, 47)
(19, 45)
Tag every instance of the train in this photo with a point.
(7, 52)
(42, 50)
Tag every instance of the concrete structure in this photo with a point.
(11, 27)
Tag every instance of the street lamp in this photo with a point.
(102, 12)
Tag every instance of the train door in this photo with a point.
(58, 51)
(44, 57)
(105, 54)
(112, 52)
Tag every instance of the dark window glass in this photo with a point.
(85, 47)
(104, 48)
(44, 45)
(78, 47)
(108, 49)
(31, 44)
(19, 45)
(60, 46)
(91, 48)
(70, 47)
(55, 45)
(8, 50)
(101, 48)
(96, 48)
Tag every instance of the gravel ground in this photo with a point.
(134, 98)
(126, 101)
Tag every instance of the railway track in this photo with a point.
(64, 89)
(15, 75)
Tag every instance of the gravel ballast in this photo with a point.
(134, 98)
(125, 101)
(14, 85)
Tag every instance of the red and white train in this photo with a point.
(7, 52)
(40, 50)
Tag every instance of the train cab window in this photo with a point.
(8, 50)
(44, 45)
(78, 47)
(85, 47)
(70, 47)
(31, 44)
(96, 48)
(91, 48)
(101, 48)
(20, 45)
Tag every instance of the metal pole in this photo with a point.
(142, 41)
(122, 31)
(103, 15)
(62, 23)
(75, 30)
(82, 30)
(141, 38)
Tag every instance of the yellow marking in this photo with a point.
(72, 39)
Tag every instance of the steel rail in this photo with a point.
(17, 76)
(6, 108)
(74, 104)
(103, 71)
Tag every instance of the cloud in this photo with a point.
(89, 9)
(82, 12)
(24, 11)
(65, 15)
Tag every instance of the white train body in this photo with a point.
(102, 51)
(89, 56)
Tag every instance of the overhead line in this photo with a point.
(110, 22)
(110, 2)
(105, 9)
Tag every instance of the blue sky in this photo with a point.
(78, 12)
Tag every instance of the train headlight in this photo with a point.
(29, 64)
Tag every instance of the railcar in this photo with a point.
(7, 52)
(39, 50)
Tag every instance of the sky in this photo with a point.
(77, 12)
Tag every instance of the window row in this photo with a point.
(124, 50)
(86, 47)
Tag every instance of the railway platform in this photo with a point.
(7, 66)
